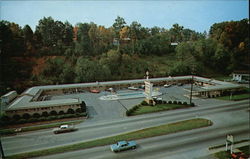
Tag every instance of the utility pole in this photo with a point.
(1, 149)
(192, 81)
(191, 92)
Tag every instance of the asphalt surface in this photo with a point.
(107, 118)
(43, 139)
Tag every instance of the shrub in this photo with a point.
(17, 117)
(45, 114)
(53, 112)
(5, 118)
(36, 115)
(42, 119)
(26, 116)
(180, 102)
(192, 104)
(84, 114)
(21, 121)
(159, 101)
(61, 112)
(70, 111)
(83, 106)
(32, 120)
(184, 103)
(164, 102)
(78, 110)
(144, 103)
(51, 117)
(169, 102)
(69, 115)
(175, 102)
(128, 112)
(135, 108)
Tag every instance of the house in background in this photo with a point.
(241, 76)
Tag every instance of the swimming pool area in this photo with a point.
(128, 95)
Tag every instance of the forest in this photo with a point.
(59, 53)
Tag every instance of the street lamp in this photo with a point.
(192, 81)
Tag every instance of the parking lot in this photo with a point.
(114, 109)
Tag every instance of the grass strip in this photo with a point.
(144, 133)
(39, 127)
(222, 155)
(235, 97)
(157, 108)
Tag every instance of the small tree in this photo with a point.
(70, 111)
(45, 114)
(83, 106)
(78, 110)
(4, 117)
(53, 112)
(36, 115)
(26, 116)
(61, 112)
(144, 103)
(17, 117)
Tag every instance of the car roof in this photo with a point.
(122, 142)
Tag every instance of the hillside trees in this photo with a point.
(234, 37)
(86, 52)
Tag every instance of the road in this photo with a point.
(226, 117)
(184, 145)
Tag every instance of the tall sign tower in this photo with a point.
(148, 89)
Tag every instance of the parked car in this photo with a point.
(167, 85)
(239, 155)
(132, 88)
(123, 145)
(94, 91)
(180, 84)
(64, 128)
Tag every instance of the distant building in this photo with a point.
(7, 98)
(241, 76)
(174, 44)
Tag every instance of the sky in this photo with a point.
(198, 15)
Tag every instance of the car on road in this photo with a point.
(64, 128)
(123, 145)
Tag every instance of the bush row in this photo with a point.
(41, 118)
(44, 114)
(133, 109)
(144, 103)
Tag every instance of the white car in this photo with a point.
(167, 85)
(64, 128)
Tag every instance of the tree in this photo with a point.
(68, 34)
(28, 38)
(70, 111)
(118, 25)
(184, 51)
(83, 43)
(68, 74)
(176, 33)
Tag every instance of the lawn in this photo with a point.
(245, 149)
(159, 107)
(144, 133)
(235, 97)
(38, 127)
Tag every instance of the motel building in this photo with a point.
(35, 100)
(241, 76)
